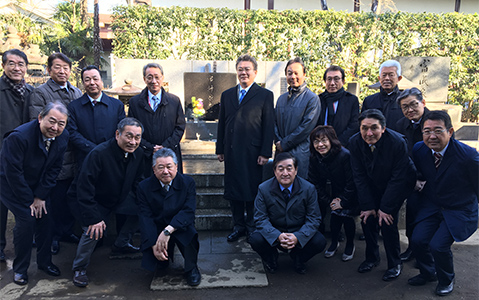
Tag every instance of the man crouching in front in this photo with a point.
(287, 217)
(167, 203)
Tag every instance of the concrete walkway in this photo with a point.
(233, 271)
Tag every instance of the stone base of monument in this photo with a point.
(454, 111)
(221, 264)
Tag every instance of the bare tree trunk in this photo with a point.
(324, 5)
(83, 8)
(97, 48)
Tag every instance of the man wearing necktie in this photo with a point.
(384, 176)
(244, 142)
(339, 108)
(161, 113)
(58, 88)
(447, 207)
(287, 217)
(28, 173)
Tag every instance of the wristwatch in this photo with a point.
(166, 232)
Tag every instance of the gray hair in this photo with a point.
(164, 152)
(54, 105)
(128, 122)
(410, 92)
(152, 65)
(391, 63)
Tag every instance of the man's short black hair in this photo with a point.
(373, 114)
(439, 115)
(14, 52)
(60, 56)
(128, 122)
(88, 68)
(284, 156)
(334, 68)
(296, 60)
(247, 57)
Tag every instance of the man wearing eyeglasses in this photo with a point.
(339, 108)
(161, 113)
(385, 100)
(14, 96)
(448, 202)
(107, 182)
(58, 88)
(413, 107)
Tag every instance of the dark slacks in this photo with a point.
(349, 228)
(63, 219)
(315, 245)
(3, 225)
(241, 222)
(390, 235)
(86, 246)
(431, 244)
(25, 228)
(411, 213)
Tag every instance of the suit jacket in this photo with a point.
(13, 108)
(159, 209)
(106, 178)
(27, 169)
(412, 133)
(384, 178)
(452, 189)
(387, 104)
(300, 215)
(51, 92)
(165, 126)
(345, 121)
(245, 131)
(90, 126)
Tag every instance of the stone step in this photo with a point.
(197, 165)
(213, 219)
(211, 201)
(208, 180)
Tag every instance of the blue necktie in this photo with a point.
(241, 96)
(155, 102)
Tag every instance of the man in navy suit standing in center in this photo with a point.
(245, 139)
(448, 201)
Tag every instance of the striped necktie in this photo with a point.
(437, 159)
(155, 102)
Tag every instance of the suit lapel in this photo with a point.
(249, 95)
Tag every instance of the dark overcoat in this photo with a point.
(27, 169)
(345, 121)
(165, 126)
(159, 209)
(387, 104)
(51, 92)
(300, 215)
(90, 125)
(451, 190)
(384, 178)
(13, 108)
(245, 131)
(333, 172)
(106, 178)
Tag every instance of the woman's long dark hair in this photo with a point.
(328, 132)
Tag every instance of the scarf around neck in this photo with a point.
(296, 90)
(19, 88)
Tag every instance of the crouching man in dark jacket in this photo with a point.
(287, 217)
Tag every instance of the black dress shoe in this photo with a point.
(128, 249)
(406, 255)
(270, 266)
(55, 247)
(80, 279)
(421, 280)
(235, 235)
(362, 237)
(20, 279)
(367, 266)
(72, 238)
(51, 270)
(193, 277)
(392, 273)
(3, 258)
(443, 290)
(299, 265)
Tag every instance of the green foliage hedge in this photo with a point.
(358, 42)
